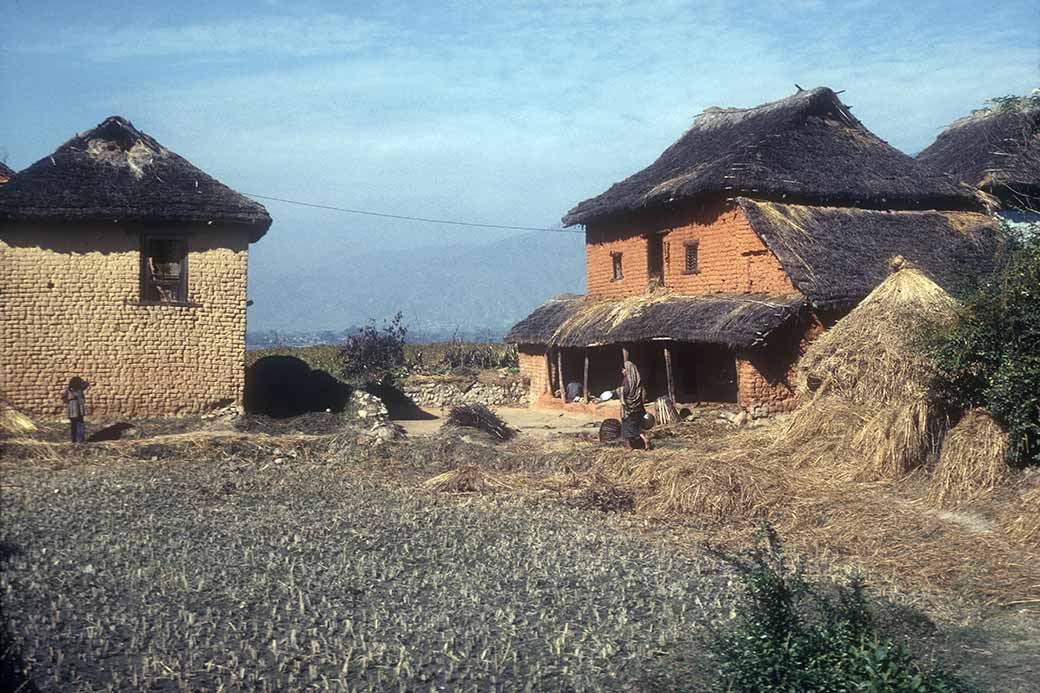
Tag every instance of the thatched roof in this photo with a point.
(805, 148)
(5, 172)
(997, 150)
(837, 255)
(116, 172)
(734, 320)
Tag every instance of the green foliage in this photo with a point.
(991, 357)
(790, 637)
(375, 354)
(1011, 102)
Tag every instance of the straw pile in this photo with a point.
(14, 422)
(866, 384)
(466, 479)
(480, 417)
(972, 461)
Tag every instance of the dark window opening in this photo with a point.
(655, 257)
(616, 257)
(691, 258)
(164, 270)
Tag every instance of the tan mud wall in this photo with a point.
(69, 306)
(533, 369)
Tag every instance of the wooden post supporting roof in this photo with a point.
(586, 383)
(559, 372)
(624, 353)
(668, 372)
(548, 368)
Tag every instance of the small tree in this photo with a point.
(991, 357)
(374, 354)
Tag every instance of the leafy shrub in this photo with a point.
(374, 354)
(789, 637)
(991, 357)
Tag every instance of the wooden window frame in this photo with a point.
(616, 268)
(180, 286)
(695, 245)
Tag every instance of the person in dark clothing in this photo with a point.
(633, 408)
(575, 391)
(76, 408)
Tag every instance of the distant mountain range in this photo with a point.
(476, 290)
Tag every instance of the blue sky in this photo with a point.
(502, 112)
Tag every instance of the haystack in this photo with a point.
(972, 461)
(14, 422)
(871, 357)
(480, 417)
(865, 383)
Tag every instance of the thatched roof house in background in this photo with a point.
(996, 150)
(123, 263)
(714, 266)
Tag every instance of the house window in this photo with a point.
(616, 257)
(164, 270)
(690, 266)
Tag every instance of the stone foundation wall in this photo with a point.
(433, 394)
(70, 299)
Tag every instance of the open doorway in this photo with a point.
(704, 373)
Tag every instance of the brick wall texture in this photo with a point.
(69, 299)
(731, 256)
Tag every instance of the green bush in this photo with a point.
(789, 637)
(991, 357)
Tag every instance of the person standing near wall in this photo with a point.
(633, 407)
(76, 407)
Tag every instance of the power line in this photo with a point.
(428, 220)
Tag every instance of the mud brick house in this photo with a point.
(123, 263)
(713, 267)
(996, 150)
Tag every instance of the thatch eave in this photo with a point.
(737, 321)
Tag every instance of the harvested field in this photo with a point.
(198, 573)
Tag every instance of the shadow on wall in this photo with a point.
(284, 386)
(400, 405)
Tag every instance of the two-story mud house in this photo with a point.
(713, 267)
(124, 264)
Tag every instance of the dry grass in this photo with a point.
(467, 479)
(896, 441)
(972, 462)
(14, 422)
(1022, 523)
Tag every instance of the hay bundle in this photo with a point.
(1023, 524)
(480, 417)
(466, 479)
(14, 422)
(896, 441)
(870, 356)
(972, 461)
